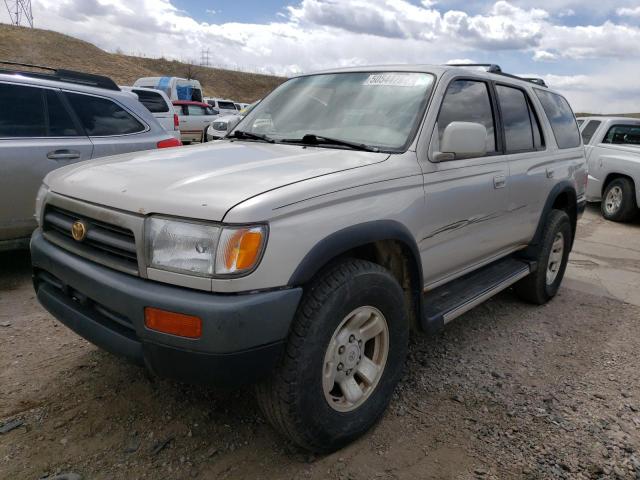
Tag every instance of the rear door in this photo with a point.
(111, 128)
(37, 134)
(466, 198)
(526, 151)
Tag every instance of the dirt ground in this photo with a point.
(507, 391)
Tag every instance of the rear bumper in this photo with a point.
(242, 335)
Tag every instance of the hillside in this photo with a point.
(52, 49)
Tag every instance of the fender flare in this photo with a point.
(351, 237)
(564, 186)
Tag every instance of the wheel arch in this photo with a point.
(563, 196)
(386, 242)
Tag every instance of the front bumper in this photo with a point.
(242, 338)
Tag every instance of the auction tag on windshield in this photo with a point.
(397, 79)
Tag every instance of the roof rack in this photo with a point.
(537, 81)
(493, 68)
(63, 75)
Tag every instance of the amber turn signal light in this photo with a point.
(172, 323)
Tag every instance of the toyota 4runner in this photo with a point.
(349, 208)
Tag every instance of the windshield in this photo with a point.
(378, 109)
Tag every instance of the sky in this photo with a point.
(586, 49)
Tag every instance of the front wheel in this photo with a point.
(343, 358)
(542, 285)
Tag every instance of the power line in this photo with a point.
(20, 12)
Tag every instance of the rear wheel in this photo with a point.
(343, 360)
(619, 201)
(542, 285)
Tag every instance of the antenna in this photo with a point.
(20, 12)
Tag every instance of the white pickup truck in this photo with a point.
(612, 147)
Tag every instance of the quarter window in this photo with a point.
(589, 129)
(563, 123)
(21, 111)
(102, 117)
(623, 135)
(468, 101)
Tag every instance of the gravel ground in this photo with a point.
(507, 391)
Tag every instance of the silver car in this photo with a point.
(52, 119)
(348, 209)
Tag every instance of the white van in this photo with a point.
(176, 88)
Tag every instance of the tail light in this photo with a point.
(169, 142)
(176, 122)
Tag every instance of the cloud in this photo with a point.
(317, 34)
(628, 12)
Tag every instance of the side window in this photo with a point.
(561, 118)
(21, 111)
(516, 117)
(103, 117)
(589, 129)
(195, 110)
(60, 122)
(623, 135)
(468, 101)
(154, 102)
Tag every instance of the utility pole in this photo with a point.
(20, 12)
(204, 57)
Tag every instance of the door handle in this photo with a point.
(499, 181)
(63, 155)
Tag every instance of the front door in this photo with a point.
(466, 198)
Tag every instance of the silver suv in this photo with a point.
(50, 118)
(349, 208)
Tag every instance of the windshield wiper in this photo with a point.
(313, 139)
(250, 135)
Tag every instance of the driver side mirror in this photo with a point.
(462, 140)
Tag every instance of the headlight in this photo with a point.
(42, 193)
(202, 249)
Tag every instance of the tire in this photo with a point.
(542, 285)
(296, 398)
(619, 201)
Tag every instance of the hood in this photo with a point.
(202, 181)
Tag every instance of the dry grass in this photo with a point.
(52, 49)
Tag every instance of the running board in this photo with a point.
(459, 296)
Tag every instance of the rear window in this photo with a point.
(560, 115)
(154, 102)
(521, 129)
(196, 110)
(226, 105)
(623, 135)
(589, 129)
(103, 117)
(21, 111)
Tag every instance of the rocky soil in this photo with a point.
(507, 391)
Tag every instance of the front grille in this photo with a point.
(220, 126)
(104, 243)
